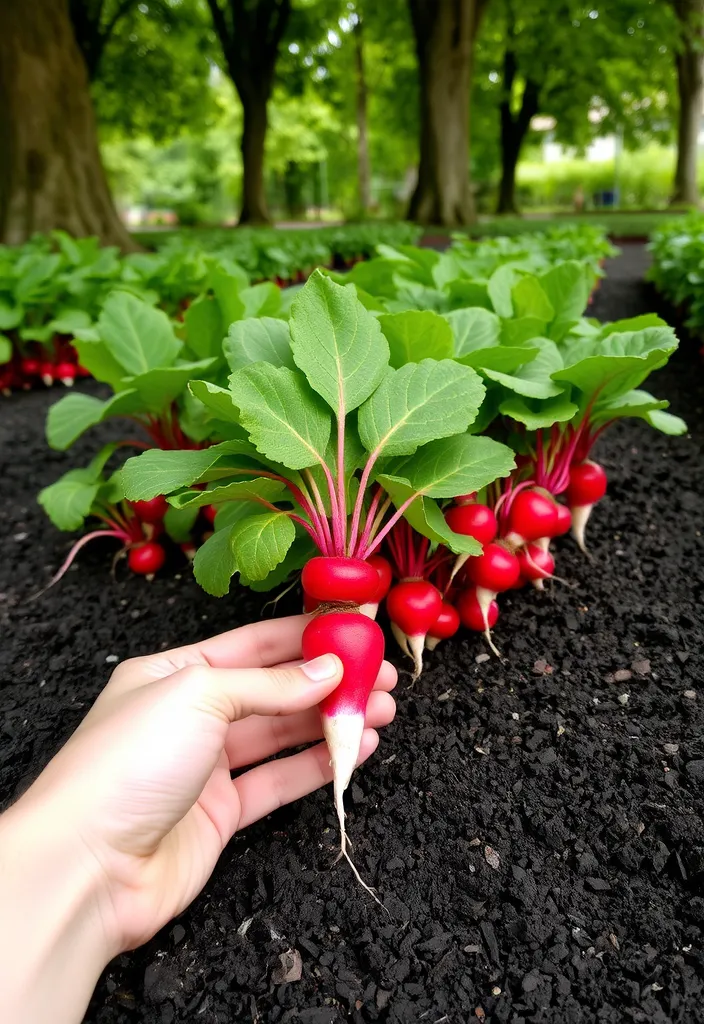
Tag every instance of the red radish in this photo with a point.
(30, 366)
(209, 512)
(446, 625)
(151, 511)
(536, 564)
(385, 575)
(81, 371)
(340, 579)
(587, 486)
(413, 606)
(495, 570)
(145, 559)
(473, 615)
(470, 519)
(533, 514)
(309, 604)
(46, 372)
(564, 520)
(359, 644)
(66, 373)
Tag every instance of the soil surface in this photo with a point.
(534, 826)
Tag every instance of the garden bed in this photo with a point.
(532, 830)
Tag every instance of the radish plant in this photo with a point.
(331, 447)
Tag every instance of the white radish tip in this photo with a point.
(580, 518)
(67, 382)
(416, 645)
(459, 562)
(370, 609)
(538, 584)
(343, 735)
(484, 598)
(400, 638)
(431, 642)
(543, 543)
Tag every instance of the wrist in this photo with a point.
(54, 907)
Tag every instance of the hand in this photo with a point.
(141, 795)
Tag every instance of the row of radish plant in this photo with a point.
(677, 269)
(382, 450)
(53, 288)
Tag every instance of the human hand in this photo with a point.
(143, 786)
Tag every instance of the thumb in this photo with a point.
(233, 694)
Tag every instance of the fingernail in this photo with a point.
(322, 669)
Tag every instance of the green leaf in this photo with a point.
(261, 300)
(68, 321)
(159, 472)
(532, 380)
(138, 336)
(567, 287)
(500, 286)
(254, 489)
(219, 401)
(521, 330)
(72, 415)
(419, 403)
(667, 423)
(95, 357)
(5, 349)
(473, 329)
(286, 421)
(215, 562)
(462, 294)
(227, 287)
(204, 327)
(638, 404)
(300, 552)
(159, 387)
(337, 343)
(633, 323)
(416, 335)
(457, 465)
(253, 341)
(261, 543)
(503, 358)
(426, 517)
(68, 501)
(529, 299)
(179, 523)
(10, 316)
(537, 415)
(617, 363)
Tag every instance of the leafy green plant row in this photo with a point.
(678, 266)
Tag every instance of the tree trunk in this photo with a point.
(254, 206)
(690, 85)
(51, 175)
(513, 132)
(363, 165)
(445, 31)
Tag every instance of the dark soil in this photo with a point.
(534, 827)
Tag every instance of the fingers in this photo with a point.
(234, 694)
(270, 786)
(258, 645)
(258, 738)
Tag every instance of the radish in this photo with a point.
(145, 559)
(532, 514)
(495, 570)
(189, 550)
(446, 625)
(46, 372)
(471, 519)
(564, 523)
(536, 565)
(66, 373)
(473, 614)
(30, 366)
(340, 579)
(413, 606)
(385, 575)
(359, 644)
(587, 486)
(151, 511)
(209, 513)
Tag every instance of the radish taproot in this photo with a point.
(587, 486)
(536, 564)
(359, 644)
(413, 606)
